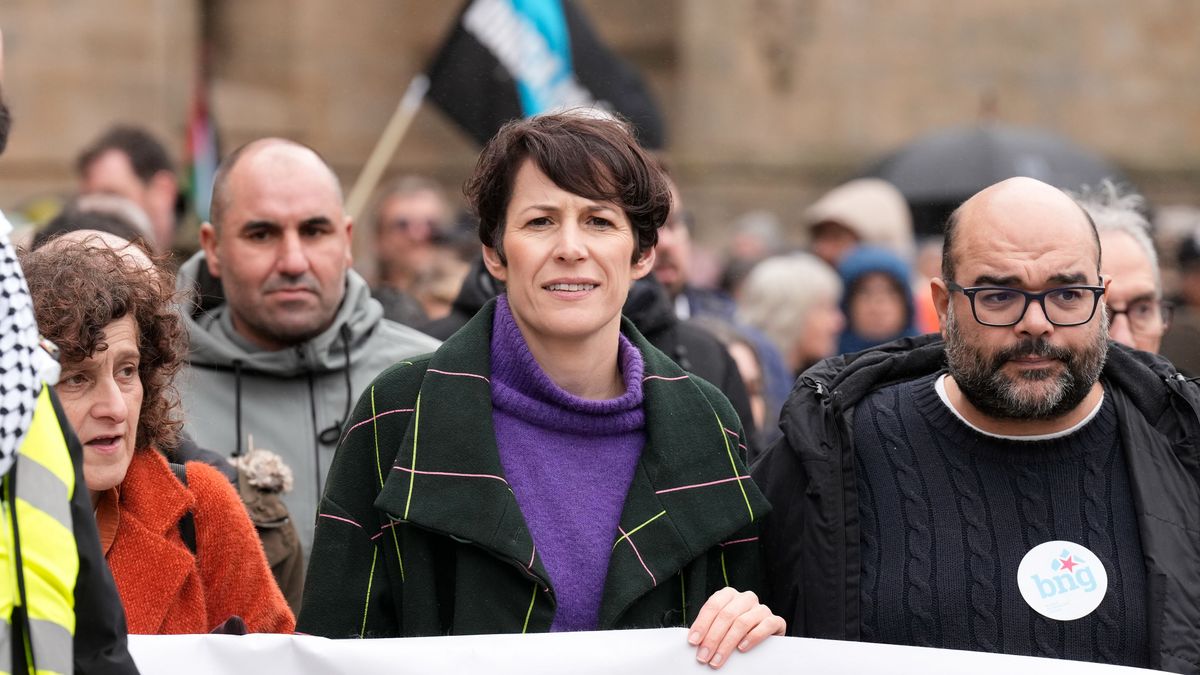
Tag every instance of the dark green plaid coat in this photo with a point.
(419, 534)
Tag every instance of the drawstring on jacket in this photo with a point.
(331, 434)
(237, 406)
(328, 436)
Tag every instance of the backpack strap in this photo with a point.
(187, 523)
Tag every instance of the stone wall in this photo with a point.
(72, 67)
(768, 102)
(786, 97)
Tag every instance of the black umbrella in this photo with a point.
(940, 170)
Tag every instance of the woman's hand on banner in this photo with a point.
(731, 619)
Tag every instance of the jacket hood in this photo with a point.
(478, 287)
(203, 304)
(860, 262)
(847, 378)
(871, 208)
(649, 306)
(866, 259)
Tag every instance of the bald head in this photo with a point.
(131, 253)
(1024, 210)
(260, 154)
(279, 241)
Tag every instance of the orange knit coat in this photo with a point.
(167, 590)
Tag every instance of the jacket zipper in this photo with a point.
(850, 593)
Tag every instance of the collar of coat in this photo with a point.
(690, 490)
(152, 503)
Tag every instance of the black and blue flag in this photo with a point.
(515, 58)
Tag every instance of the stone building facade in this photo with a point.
(768, 102)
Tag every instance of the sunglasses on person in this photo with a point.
(420, 228)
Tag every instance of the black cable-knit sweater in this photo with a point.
(947, 513)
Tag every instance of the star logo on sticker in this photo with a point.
(1068, 563)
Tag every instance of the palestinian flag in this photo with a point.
(515, 58)
(201, 146)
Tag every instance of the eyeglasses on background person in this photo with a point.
(1145, 316)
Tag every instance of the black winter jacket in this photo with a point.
(811, 539)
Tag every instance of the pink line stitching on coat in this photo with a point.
(372, 419)
(739, 541)
(380, 532)
(446, 372)
(449, 474)
(664, 379)
(344, 520)
(638, 554)
(700, 485)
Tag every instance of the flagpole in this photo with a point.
(385, 147)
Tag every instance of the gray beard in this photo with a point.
(995, 394)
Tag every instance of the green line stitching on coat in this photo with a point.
(732, 463)
(375, 430)
(724, 572)
(529, 612)
(379, 471)
(399, 558)
(362, 632)
(630, 533)
(412, 477)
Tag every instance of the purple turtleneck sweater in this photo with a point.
(569, 461)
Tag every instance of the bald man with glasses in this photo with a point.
(1018, 484)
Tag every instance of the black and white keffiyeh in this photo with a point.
(19, 384)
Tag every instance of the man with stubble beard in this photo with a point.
(1020, 485)
(284, 334)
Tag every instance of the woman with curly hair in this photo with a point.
(184, 553)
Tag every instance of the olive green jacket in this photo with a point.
(418, 532)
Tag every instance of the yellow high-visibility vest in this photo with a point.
(37, 493)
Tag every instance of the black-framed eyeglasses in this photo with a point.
(1000, 306)
(1145, 316)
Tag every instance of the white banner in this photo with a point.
(662, 652)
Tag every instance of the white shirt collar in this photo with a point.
(940, 386)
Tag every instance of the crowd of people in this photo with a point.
(536, 416)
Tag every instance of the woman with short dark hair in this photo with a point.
(546, 469)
